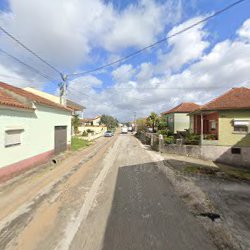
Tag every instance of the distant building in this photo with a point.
(96, 121)
(177, 118)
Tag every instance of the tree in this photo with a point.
(153, 121)
(75, 122)
(162, 123)
(109, 121)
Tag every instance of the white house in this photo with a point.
(76, 108)
(32, 129)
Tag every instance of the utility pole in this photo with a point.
(135, 120)
(63, 90)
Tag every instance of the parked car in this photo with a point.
(124, 130)
(130, 128)
(108, 134)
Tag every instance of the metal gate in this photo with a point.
(60, 139)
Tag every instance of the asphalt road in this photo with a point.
(137, 208)
(110, 196)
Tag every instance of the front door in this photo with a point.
(60, 139)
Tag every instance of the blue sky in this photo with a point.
(76, 36)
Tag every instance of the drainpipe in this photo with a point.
(201, 128)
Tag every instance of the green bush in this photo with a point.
(89, 131)
(163, 132)
(192, 139)
(84, 133)
(78, 143)
(211, 137)
(169, 139)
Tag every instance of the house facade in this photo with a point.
(96, 121)
(224, 121)
(177, 118)
(224, 126)
(32, 129)
(94, 125)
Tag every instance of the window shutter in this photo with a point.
(12, 137)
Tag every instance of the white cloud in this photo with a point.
(186, 47)
(66, 32)
(140, 24)
(124, 73)
(244, 31)
(225, 66)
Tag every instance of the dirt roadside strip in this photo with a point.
(198, 203)
(21, 199)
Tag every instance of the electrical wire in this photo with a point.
(29, 50)
(25, 64)
(160, 41)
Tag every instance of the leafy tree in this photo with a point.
(109, 121)
(75, 122)
(153, 121)
(141, 125)
(162, 123)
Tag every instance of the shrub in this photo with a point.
(163, 132)
(78, 143)
(169, 139)
(211, 137)
(89, 131)
(84, 133)
(192, 139)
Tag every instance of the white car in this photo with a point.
(124, 130)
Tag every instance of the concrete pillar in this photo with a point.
(161, 143)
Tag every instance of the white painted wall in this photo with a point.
(38, 134)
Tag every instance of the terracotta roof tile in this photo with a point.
(185, 107)
(236, 98)
(7, 100)
(31, 96)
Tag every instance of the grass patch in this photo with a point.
(230, 172)
(192, 169)
(78, 143)
(238, 173)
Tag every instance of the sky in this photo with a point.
(80, 35)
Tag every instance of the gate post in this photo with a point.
(161, 143)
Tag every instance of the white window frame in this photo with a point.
(241, 123)
(16, 138)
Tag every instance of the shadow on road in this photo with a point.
(147, 214)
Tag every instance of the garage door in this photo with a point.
(60, 139)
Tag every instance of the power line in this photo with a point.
(29, 50)
(25, 64)
(160, 41)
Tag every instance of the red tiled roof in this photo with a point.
(236, 98)
(185, 107)
(7, 100)
(89, 119)
(30, 96)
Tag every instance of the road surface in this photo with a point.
(116, 199)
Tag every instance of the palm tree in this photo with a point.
(153, 120)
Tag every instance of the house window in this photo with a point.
(13, 137)
(243, 129)
(236, 151)
(213, 125)
(241, 126)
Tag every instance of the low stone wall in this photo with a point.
(220, 154)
